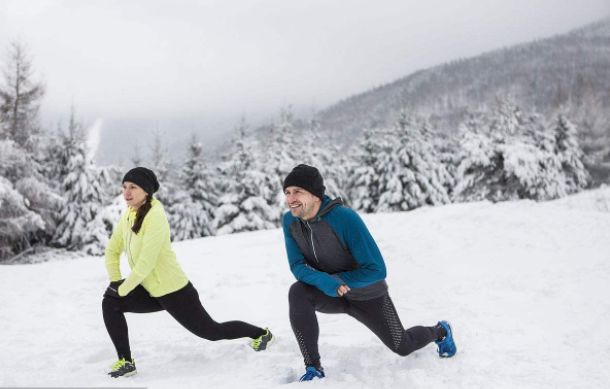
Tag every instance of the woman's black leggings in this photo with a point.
(378, 314)
(183, 305)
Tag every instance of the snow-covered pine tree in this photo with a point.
(49, 158)
(84, 197)
(519, 163)
(570, 154)
(17, 222)
(136, 158)
(187, 218)
(440, 152)
(20, 97)
(497, 161)
(245, 204)
(285, 141)
(479, 160)
(364, 184)
(192, 212)
(159, 158)
(161, 164)
(21, 137)
(110, 186)
(541, 177)
(279, 153)
(415, 176)
(319, 150)
(513, 157)
(65, 146)
(445, 148)
(21, 222)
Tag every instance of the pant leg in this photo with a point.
(184, 306)
(114, 308)
(380, 316)
(304, 300)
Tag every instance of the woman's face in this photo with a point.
(134, 195)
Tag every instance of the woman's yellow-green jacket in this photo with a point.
(149, 253)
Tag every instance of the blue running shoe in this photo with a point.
(446, 346)
(311, 372)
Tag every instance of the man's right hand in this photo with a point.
(342, 290)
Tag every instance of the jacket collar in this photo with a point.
(326, 206)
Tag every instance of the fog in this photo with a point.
(197, 66)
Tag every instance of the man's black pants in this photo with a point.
(184, 306)
(378, 314)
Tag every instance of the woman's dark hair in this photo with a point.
(142, 211)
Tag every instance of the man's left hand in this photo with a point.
(342, 290)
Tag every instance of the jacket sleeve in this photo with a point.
(155, 230)
(303, 272)
(356, 236)
(113, 251)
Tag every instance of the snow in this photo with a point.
(524, 284)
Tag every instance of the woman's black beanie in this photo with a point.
(144, 178)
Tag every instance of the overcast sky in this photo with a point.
(217, 59)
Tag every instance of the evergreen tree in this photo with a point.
(84, 197)
(136, 157)
(194, 208)
(17, 223)
(24, 200)
(188, 218)
(478, 169)
(319, 150)
(495, 159)
(20, 133)
(245, 206)
(516, 157)
(17, 166)
(414, 173)
(570, 154)
(541, 175)
(161, 163)
(64, 146)
(364, 184)
(20, 100)
(280, 154)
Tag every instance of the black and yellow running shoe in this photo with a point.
(123, 368)
(261, 343)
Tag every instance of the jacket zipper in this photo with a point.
(312, 245)
(129, 243)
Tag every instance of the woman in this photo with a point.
(156, 281)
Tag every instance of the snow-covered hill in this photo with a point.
(524, 284)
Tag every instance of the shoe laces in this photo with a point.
(118, 364)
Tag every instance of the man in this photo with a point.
(340, 269)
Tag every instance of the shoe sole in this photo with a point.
(267, 344)
(131, 373)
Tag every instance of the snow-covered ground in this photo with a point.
(524, 284)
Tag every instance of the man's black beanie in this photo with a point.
(144, 178)
(306, 177)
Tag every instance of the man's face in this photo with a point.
(302, 204)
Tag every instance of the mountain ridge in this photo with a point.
(535, 74)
